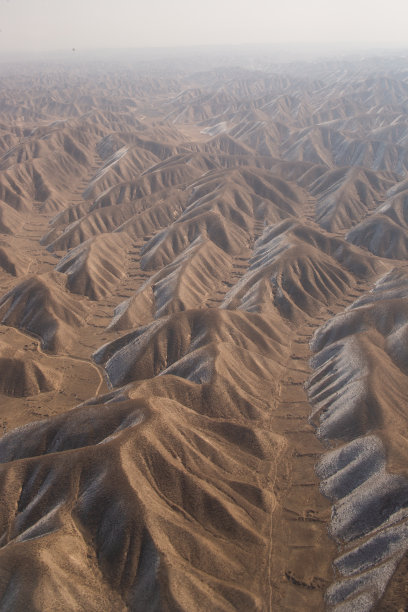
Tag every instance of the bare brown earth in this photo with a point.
(203, 363)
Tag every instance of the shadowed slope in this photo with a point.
(96, 266)
(187, 486)
(344, 195)
(358, 391)
(41, 306)
(164, 342)
(298, 269)
(186, 283)
(384, 232)
(20, 376)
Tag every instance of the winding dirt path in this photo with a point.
(38, 341)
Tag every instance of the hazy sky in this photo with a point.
(58, 24)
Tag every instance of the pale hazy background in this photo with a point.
(40, 25)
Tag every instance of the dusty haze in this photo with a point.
(37, 25)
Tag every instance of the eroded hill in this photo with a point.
(203, 305)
